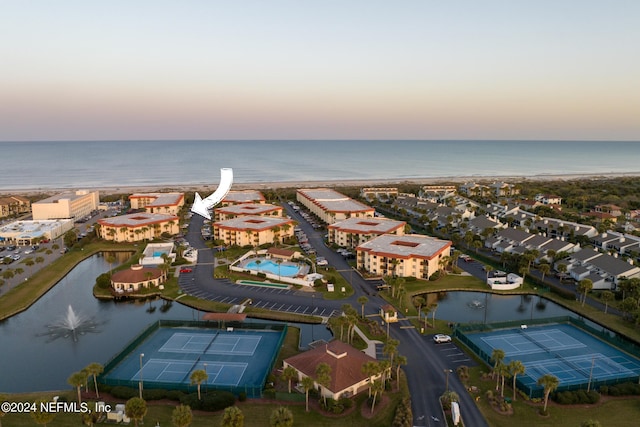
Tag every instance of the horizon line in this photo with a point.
(319, 139)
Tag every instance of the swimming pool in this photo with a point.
(286, 269)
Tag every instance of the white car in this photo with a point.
(322, 261)
(441, 338)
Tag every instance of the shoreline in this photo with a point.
(141, 188)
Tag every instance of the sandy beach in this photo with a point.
(124, 189)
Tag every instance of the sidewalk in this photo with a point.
(371, 344)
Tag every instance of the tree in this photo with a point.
(607, 296)
(544, 269)
(377, 387)
(419, 302)
(503, 371)
(70, 238)
(488, 268)
(77, 380)
(362, 300)
(433, 307)
(95, 369)
(136, 409)
(289, 373)
(198, 377)
(523, 270)
(307, 384)
(550, 383)
(40, 417)
(281, 417)
(584, 286)
(323, 377)
(591, 423)
(232, 417)
(390, 348)
(400, 360)
(181, 416)
(516, 368)
(370, 369)
(562, 269)
(497, 356)
(477, 244)
(110, 259)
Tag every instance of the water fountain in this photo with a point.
(71, 325)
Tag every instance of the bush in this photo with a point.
(211, 401)
(435, 276)
(563, 293)
(262, 275)
(576, 397)
(154, 394)
(175, 395)
(403, 416)
(125, 393)
(104, 281)
(623, 389)
(242, 396)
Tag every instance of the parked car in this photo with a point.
(441, 338)
(186, 270)
(322, 261)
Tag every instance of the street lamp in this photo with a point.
(140, 383)
(447, 371)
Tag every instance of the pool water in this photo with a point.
(285, 269)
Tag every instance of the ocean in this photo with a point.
(94, 164)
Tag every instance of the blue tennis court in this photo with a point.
(165, 357)
(574, 356)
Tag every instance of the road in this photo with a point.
(427, 361)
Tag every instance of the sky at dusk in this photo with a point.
(295, 69)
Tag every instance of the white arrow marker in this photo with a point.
(201, 206)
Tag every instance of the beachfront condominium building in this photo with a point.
(14, 205)
(244, 209)
(331, 206)
(353, 232)
(138, 226)
(71, 205)
(253, 230)
(236, 197)
(411, 255)
(164, 203)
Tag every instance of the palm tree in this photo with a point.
(197, 377)
(584, 286)
(419, 302)
(77, 380)
(497, 356)
(488, 268)
(289, 373)
(182, 416)
(110, 259)
(562, 268)
(516, 368)
(390, 348)
(95, 369)
(307, 384)
(281, 417)
(477, 244)
(550, 383)
(232, 417)
(433, 308)
(323, 377)
(400, 360)
(362, 300)
(136, 409)
(523, 270)
(607, 296)
(544, 269)
(378, 387)
(370, 369)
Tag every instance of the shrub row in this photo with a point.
(211, 401)
(403, 416)
(126, 393)
(624, 389)
(576, 397)
(337, 406)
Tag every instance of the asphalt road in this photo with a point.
(427, 362)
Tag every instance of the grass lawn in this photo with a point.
(256, 413)
(610, 412)
(22, 296)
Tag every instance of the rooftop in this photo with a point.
(332, 201)
(244, 196)
(249, 209)
(32, 229)
(136, 219)
(71, 195)
(407, 246)
(161, 199)
(345, 362)
(368, 225)
(253, 222)
(136, 274)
